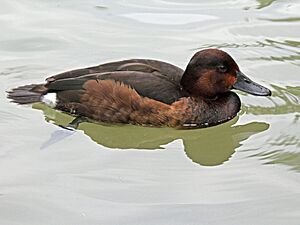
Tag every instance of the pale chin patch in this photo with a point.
(50, 99)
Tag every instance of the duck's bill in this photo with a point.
(243, 83)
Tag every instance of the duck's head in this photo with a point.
(212, 72)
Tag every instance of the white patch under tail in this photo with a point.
(50, 99)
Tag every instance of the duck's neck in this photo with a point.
(188, 81)
(201, 112)
(197, 85)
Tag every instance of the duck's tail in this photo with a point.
(27, 94)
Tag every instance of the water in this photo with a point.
(245, 171)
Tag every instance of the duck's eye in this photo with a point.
(222, 68)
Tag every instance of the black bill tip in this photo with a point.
(243, 83)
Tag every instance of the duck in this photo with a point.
(148, 92)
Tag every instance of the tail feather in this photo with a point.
(27, 94)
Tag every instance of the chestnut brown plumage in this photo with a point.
(150, 92)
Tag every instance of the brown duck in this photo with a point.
(148, 92)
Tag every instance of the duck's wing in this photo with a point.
(162, 84)
(151, 85)
(142, 65)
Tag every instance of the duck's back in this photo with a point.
(150, 78)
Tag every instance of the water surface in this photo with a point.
(245, 171)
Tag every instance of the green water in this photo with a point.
(245, 171)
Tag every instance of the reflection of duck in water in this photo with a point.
(209, 147)
(149, 92)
